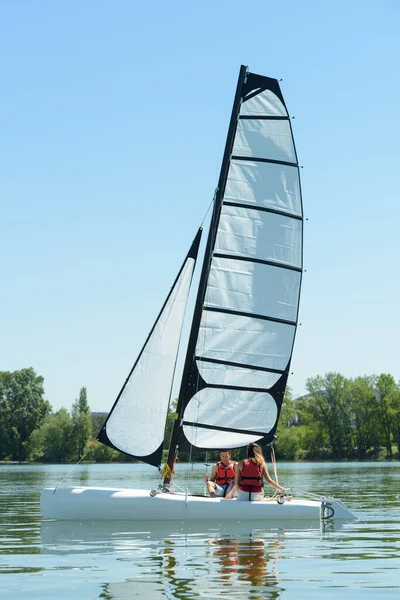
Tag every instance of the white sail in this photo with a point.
(249, 312)
(137, 421)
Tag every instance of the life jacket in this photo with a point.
(250, 477)
(225, 475)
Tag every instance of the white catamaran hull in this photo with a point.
(90, 504)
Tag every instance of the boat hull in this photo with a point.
(90, 503)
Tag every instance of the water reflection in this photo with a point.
(251, 560)
(122, 535)
(181, 560)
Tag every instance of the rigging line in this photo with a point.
(204, 314)
(208, 209)
(74, 467)
(273, 460)
(206, 473)
(190, 471)
(312, 495)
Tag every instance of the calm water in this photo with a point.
(357, 559)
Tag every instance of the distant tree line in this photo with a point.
(338, 419)
(341, 418)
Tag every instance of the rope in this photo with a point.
(206, 464)
(189, 473)
(273, 461)
(74, 467)
(312, 495)
(208, 209)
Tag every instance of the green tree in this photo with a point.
(330, 406)
(170, 424)
(287, 442)
(81, 423)
(365, 416)
(313, 438)
(22, 410)
(104, 454)
(396, 420)
(52, 441)
(387, 396)
(98, 420)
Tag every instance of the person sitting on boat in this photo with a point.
(223, 475)
(250, 472)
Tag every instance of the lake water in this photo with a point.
(64, 560)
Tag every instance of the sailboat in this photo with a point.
(241, 336)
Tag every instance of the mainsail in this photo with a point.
(246, 311)
(136, 422)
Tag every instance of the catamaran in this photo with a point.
(241, 337)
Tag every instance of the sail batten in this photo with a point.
(240, 365)
(260, 159)
(270, 263)
(247, 307)
(263, 208)
(244, 314)
(265, 118)
(225, 429)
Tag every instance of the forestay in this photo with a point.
(247, 307)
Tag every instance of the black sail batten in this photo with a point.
(153, 458)
(246, 312)
(228, 311)
(259, 434)
(262, 208)
(241, 365)
(266, 160)
(271, 263)
(264, 118)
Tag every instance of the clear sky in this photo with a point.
(112, 127)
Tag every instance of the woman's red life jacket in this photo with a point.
(225, 475)
(250, 477)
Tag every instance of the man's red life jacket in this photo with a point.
(250, 477)
(225, 475)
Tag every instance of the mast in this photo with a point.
(219, 194)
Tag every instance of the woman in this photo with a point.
(250, 472)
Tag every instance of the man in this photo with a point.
(223, 475)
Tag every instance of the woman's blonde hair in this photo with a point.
(254, 453)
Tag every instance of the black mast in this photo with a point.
(219, 194)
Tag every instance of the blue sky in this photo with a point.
(113, 122)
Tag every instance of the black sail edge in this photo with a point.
(154, 458)
(190, 354)
(249, 86)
